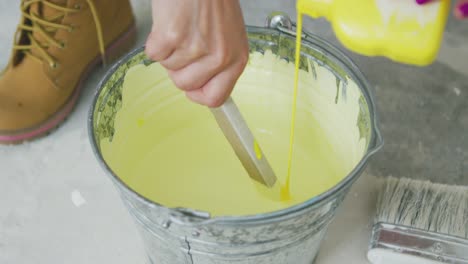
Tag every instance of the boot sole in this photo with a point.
(117, 48)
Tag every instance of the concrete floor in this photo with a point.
(58, 206)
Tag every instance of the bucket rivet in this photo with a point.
(276, 19)
(438, 248)
(195, 233)
(166, 224)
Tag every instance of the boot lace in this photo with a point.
(47, 26)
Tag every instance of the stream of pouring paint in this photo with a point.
(297, 58)
(285, 192)
(171, 150)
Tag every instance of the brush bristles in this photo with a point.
(424, 205)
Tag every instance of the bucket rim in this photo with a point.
(313, 41)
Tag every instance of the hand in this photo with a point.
(202, 44)
(460, 11)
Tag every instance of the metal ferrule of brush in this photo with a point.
(400, 244)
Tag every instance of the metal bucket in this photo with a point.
(292, 235)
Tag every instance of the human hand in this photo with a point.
(202, 44)
(460, 11)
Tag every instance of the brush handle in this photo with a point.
(245, 146)
(392, 244)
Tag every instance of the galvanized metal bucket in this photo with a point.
(292, 235)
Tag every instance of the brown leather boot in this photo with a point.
(57, 44)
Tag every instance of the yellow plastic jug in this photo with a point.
(398, 29)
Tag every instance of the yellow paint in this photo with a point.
(140, 122)
(277, 191)
(285, 189)
(180, 158)
(274, 193)
(400, 30)
(258, 151)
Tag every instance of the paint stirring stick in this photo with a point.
(245, 146)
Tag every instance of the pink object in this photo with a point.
(421, 2)
(462, 10)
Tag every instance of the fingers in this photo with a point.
(185, 56)
(207, 77)
(215, 92)
(172, 48)
(199, 72)
(217, 89)
(202, 44)
(171, 24)
(158, 48)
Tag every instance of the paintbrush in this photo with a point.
(420, 222)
